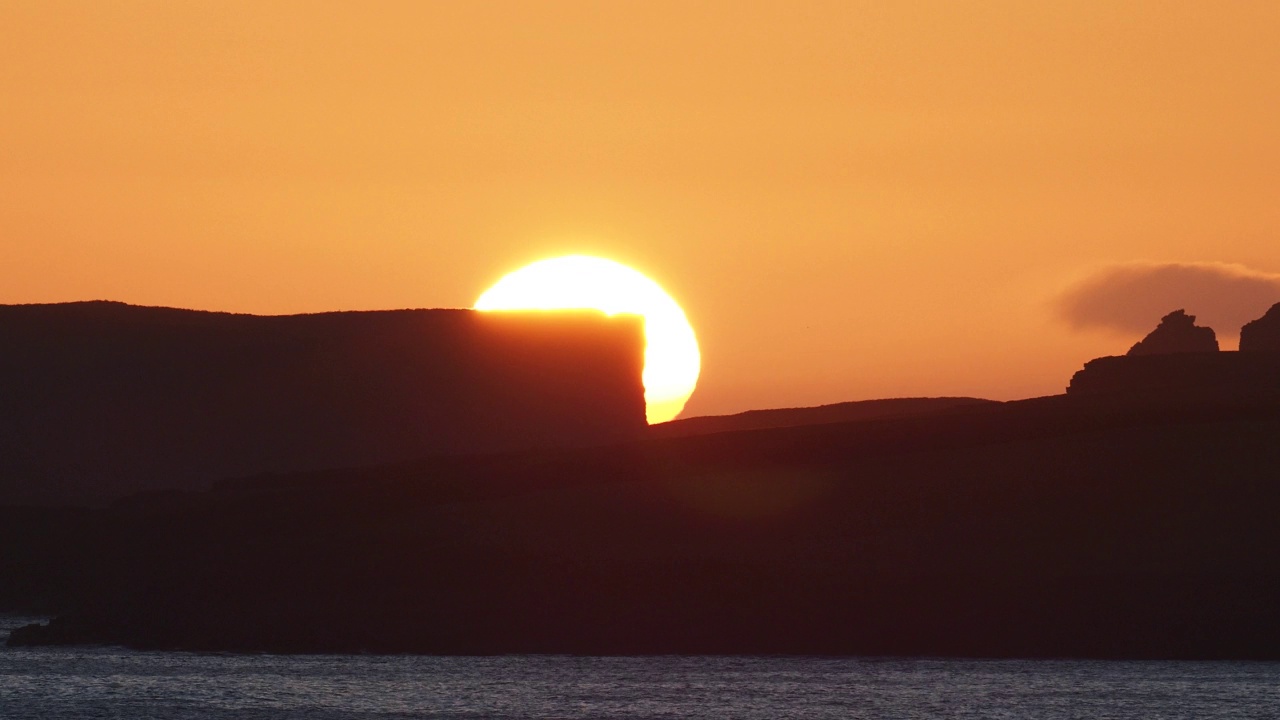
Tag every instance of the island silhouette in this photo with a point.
(1132, 516)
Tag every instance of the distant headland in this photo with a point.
(1132, 516)
(104, 399)
(1180, 359)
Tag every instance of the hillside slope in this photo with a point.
(1051, 527)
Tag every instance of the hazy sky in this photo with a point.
(850, 200)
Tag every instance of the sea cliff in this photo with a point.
(99, 400)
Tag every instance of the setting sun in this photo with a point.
(672, 360)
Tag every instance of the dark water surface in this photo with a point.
(73, 683)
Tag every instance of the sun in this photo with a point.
(671, 359)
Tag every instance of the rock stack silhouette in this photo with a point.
(1176, 333)
(1179, 361)
(1262, 335)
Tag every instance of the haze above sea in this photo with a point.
(103, 682)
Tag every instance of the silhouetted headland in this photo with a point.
(1101, 523)
(1180, 360)
(99, 399)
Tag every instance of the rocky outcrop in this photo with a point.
(98, 400)
(1180, 361)
(1262, 335)
(1234, 377)
(1176, 333)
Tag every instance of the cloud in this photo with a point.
(1132, 297)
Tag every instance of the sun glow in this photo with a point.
(671, 359)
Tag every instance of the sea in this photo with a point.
(108, 682)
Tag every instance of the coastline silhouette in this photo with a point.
(1130, 517)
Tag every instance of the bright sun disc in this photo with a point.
(671, 358)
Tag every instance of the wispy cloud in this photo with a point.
(1132, 297)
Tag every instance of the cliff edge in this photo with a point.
(99, 399)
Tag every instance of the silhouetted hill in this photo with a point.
(788, 417)
(101, 399)
(1052, 527)
(1132, 517)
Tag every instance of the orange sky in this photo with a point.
(851, 200)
